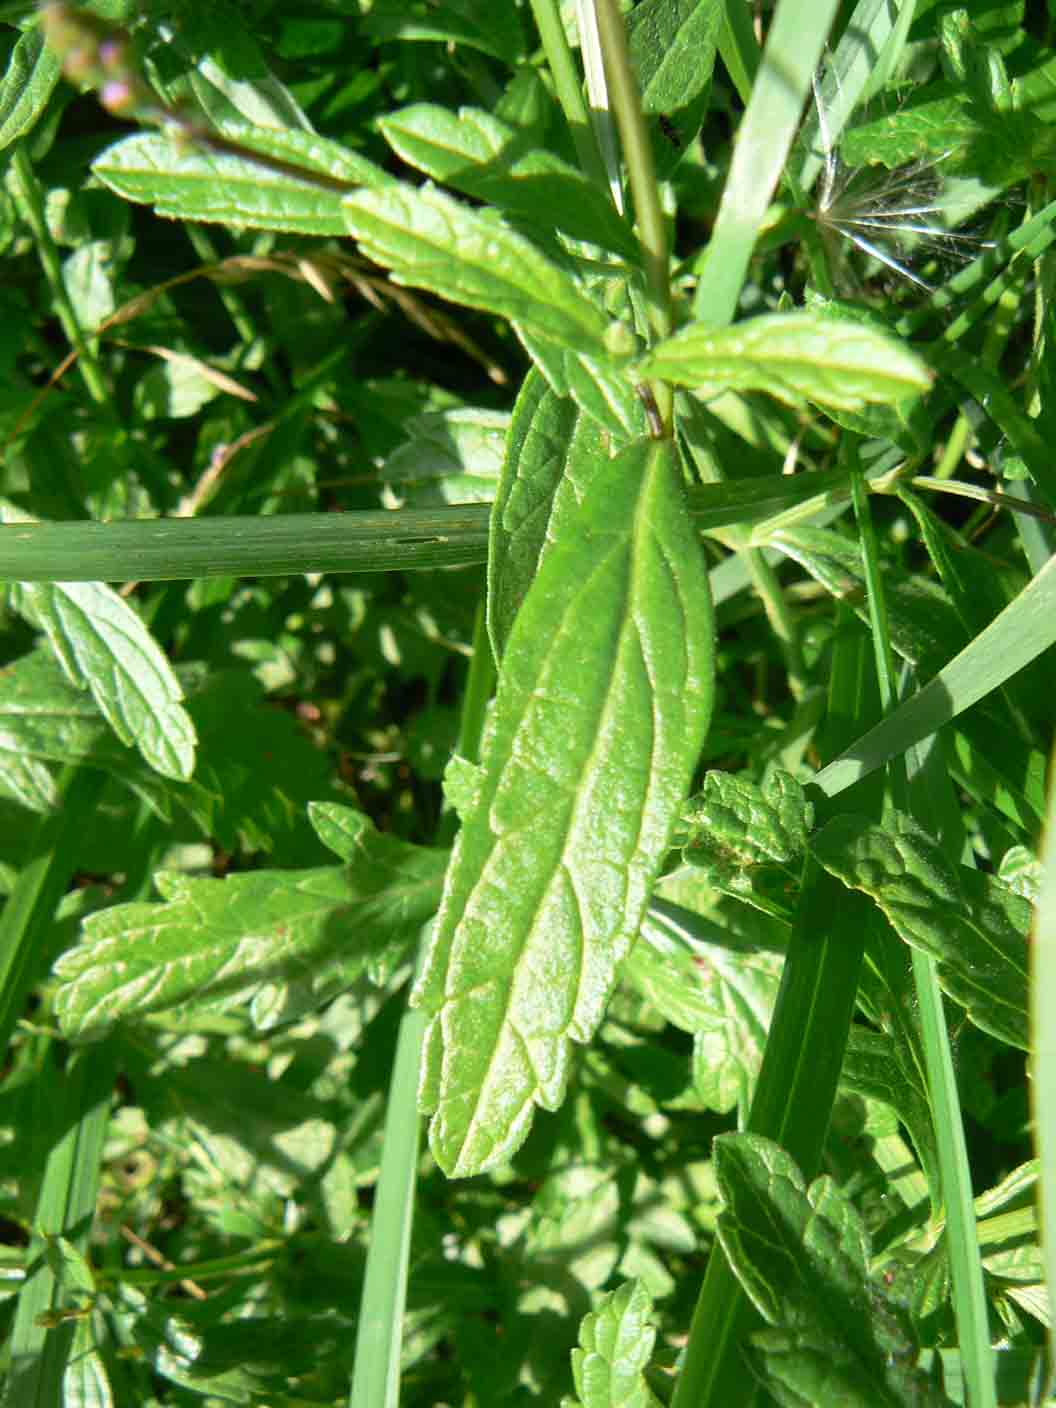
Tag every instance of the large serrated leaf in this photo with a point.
(215, 943)
(189, 183)
(795, 356)
(615, 1341)
(104, 647)
(491, 161)
(429, 240)
(802, 1257)
(735, 824)
(974, 926)
(602, 705)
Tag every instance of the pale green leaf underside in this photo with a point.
(215, 943)
(431, 241)
(796, 357)
(191, 183)
(973, 925)
(105, 647)
(602, 705)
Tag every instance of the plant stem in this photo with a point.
(569, 88)
(32, 206)
(641, 173)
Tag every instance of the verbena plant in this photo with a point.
(682, 751)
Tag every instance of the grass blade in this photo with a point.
(171, 549)
(796, 40)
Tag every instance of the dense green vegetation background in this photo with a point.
(578, 510)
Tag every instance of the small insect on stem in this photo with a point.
(670, 131)
(652, 410)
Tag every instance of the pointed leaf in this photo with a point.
(796, 357)
(602, 705)
(31, 75)
(215, 943)
(191, 183)
(802, 1257)
(429, 240)
(616, 1341)
(489, 160)
(104, 646)
(973, 925)
(552, 454)
(600, 388)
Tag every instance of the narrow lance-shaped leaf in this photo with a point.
(432, 241)
(795, 356)
(602, 706)
(189, 182)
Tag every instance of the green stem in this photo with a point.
(641, 173)
(32, 207)
(782, 622)
(569, 88)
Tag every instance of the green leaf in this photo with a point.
(802, 1257)
(191, 183)
(876, 1067)
(43, 718)
(431, 241)
(974, 926)
(473, 22)
(104, 647)
(603, 701)
(28, 82)
(598, 386)
(449, 457)
(553, 453)
(491, 161)
(672, 47)
(797, 357)
(734, 823)
(288, 939)
(616, 1341)
(722, 992)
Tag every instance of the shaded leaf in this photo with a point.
(795, 356)
(802, 1257)
(672, 46)
(722, 993)
(215, 943)
(429, 240)
(449, 457)
(603, 700)
(973, 926)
